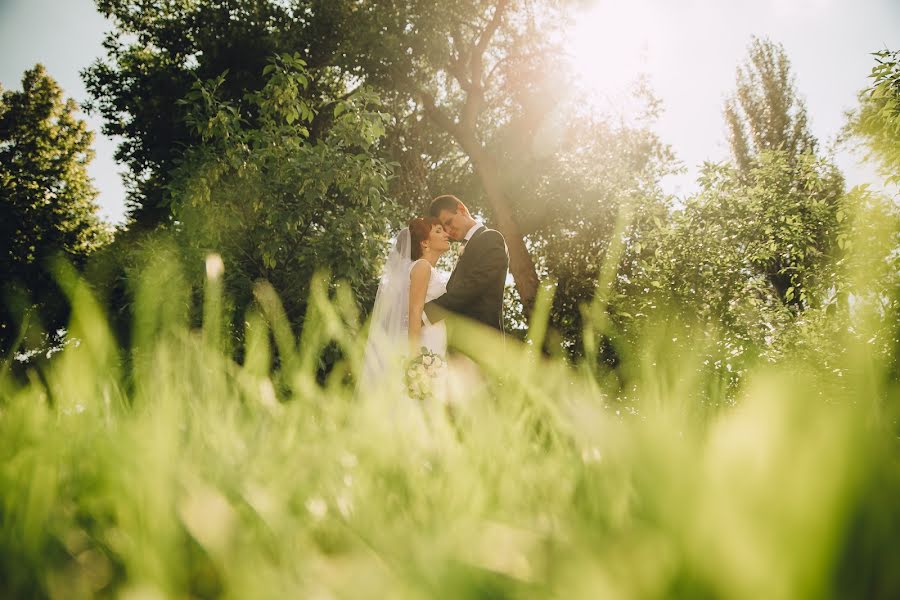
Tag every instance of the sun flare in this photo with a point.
(610, 43)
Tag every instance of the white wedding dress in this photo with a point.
(422, 422)
(434, 336)
(387, 347)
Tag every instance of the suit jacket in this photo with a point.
(475, 288)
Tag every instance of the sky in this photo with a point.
(687, 49)
(66, 36)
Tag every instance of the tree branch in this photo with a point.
(489, 31)
(439, 117)
(474, 86)
(455, 69)
(512, 58)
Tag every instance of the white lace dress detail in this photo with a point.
(434, 337)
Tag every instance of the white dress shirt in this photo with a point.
(472, 231)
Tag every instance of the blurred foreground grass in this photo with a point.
(193, 476)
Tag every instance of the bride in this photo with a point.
(409, 280)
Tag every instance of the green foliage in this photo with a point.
(749, 253)
(765, 112)
(877, 121)
(571, 198)
(155, 52)
(563, 173)
(762, 250)
(195, 476)
(766, 266)
(276, 204)
(452, 75)
(47, 200)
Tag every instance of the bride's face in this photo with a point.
(438, 240)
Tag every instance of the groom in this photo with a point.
(475, 288)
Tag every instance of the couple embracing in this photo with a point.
(414, 298)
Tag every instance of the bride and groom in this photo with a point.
(414, 299)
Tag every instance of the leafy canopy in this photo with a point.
(277, 204)
(47, 200)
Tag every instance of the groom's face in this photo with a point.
(454, 223)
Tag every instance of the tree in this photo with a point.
(47, 200)
(718, 254)
(767, 122)
(765, 112)
(506, 124)
(764, 241)
(275, 203)
(877, 121)
(154, 54)
(480, 98)
(446, 62)
(572, 198)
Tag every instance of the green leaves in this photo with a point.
(877, 121)
(751, 253)
(281, 100)
(765, 112)
(276, 205)
(47, 198)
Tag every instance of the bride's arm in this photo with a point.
(418, 286)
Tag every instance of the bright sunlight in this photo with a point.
(404, 307)
(610, 44)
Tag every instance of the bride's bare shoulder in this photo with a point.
(421, 270)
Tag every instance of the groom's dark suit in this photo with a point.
(475, 288)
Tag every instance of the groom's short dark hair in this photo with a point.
(445, 202)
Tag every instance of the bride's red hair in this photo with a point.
(419, 230)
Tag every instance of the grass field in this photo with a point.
(187, 475)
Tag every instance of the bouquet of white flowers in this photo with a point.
(421, 372)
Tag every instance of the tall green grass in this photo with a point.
(187, 475)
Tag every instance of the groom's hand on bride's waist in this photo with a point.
(433, 313)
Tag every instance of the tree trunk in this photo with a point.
(467, 67)
(520, 264)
